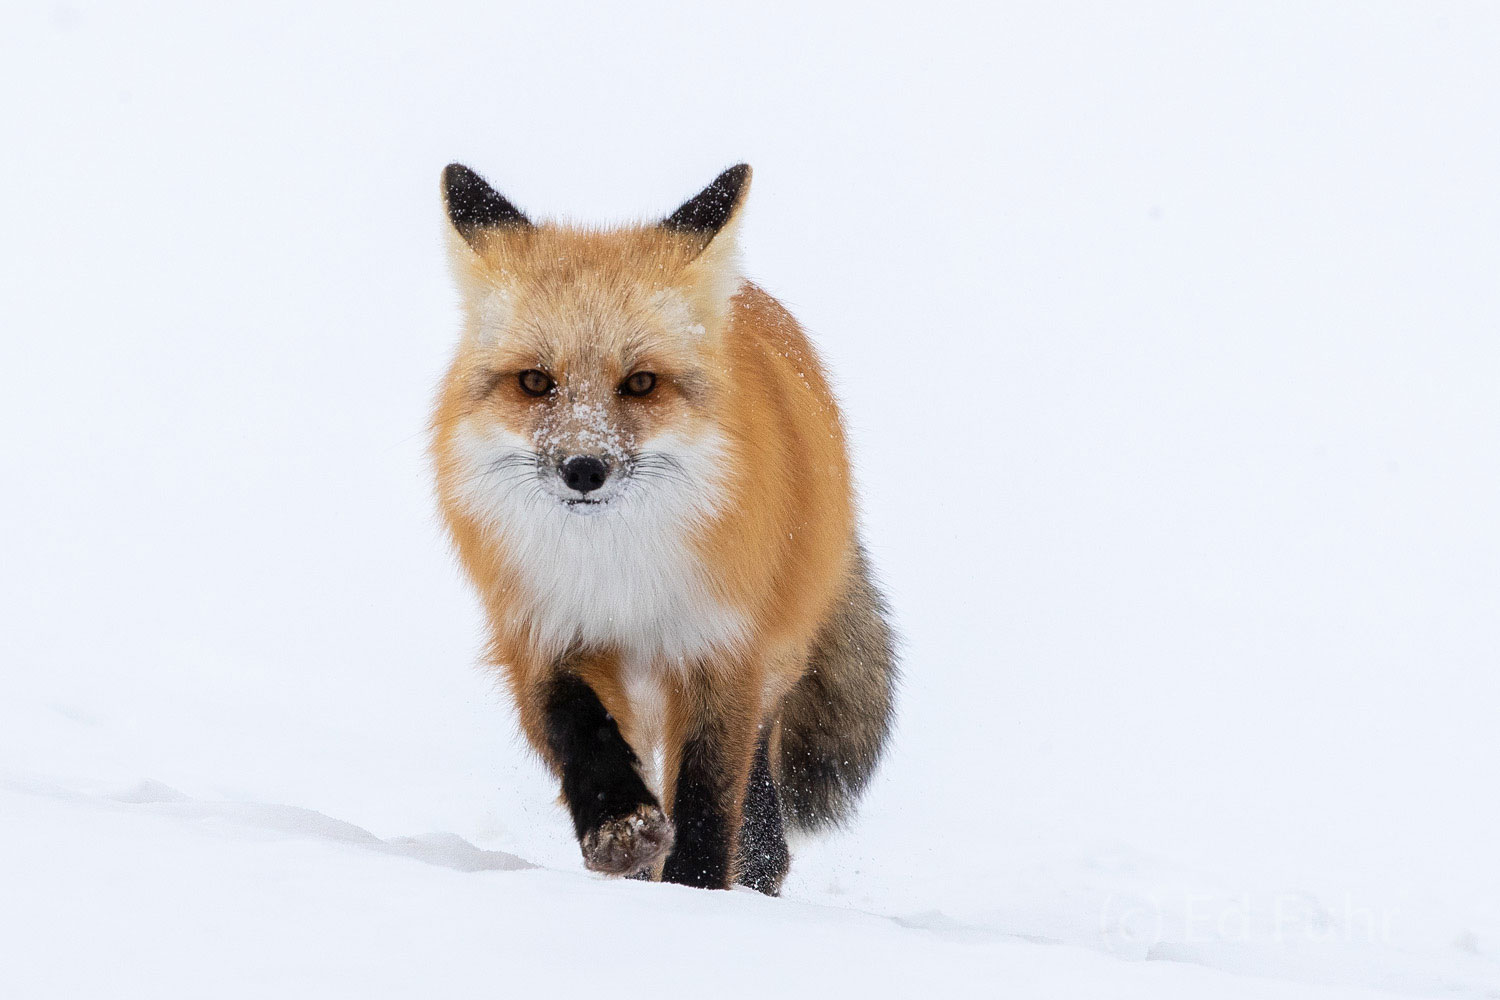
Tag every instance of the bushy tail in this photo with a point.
(835, 721)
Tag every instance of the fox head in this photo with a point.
(588, 370)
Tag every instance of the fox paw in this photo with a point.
(630, 844)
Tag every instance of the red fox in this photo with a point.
(643, 471)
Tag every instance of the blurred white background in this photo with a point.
(1168, 335)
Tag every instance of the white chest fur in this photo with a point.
(625, 576)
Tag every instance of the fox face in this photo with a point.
(581, 421)
(590, 404)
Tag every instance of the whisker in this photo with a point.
(510, 460)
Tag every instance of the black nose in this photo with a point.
(584, 474)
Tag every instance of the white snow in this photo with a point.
(1169, 338)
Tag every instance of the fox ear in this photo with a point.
(711, 209)
(473, 206)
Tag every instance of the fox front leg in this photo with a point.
(621, 828)
(711, 742)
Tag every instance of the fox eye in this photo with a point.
(535, 383)
(639, 384)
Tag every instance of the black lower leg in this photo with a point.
(619, 823)
(763, 854)
(700, 812)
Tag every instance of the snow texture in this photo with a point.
(1169, 339)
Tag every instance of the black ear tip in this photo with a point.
(473, 204)
(731, 183)
(708, 211)
(459, 180)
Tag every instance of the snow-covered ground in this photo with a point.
(1169, 337)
